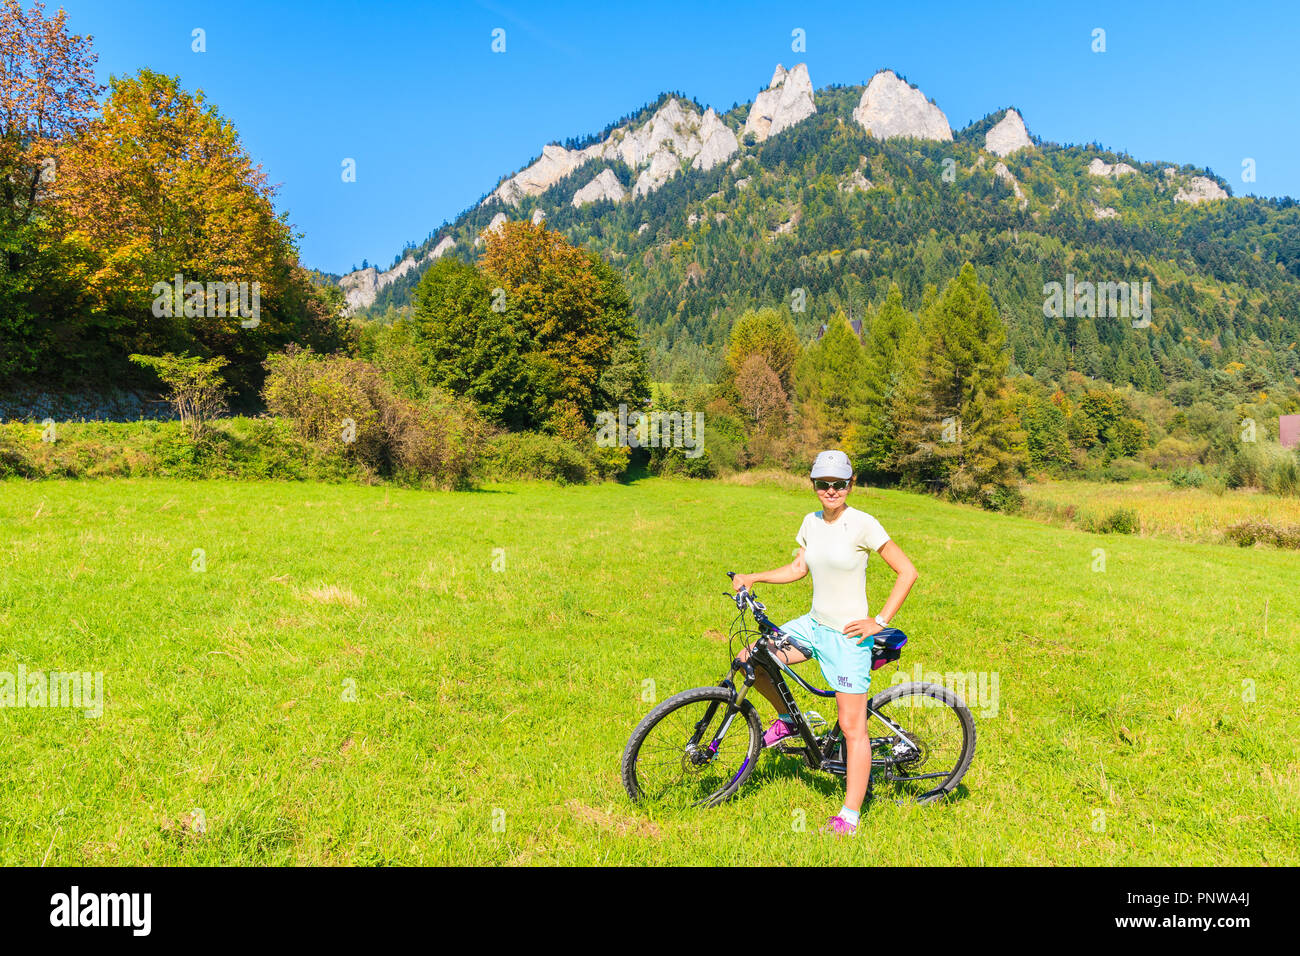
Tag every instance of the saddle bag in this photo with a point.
(888, 647)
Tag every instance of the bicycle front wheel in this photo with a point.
(674, 758)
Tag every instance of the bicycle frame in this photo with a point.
(818, 753)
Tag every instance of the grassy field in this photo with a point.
(1188, 514)
(345, 674)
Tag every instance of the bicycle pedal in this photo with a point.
(814, 719)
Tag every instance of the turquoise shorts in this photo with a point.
(845, 665)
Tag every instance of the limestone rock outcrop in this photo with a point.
(717, 142)
(675, 132)
(1200, 189)
(1009, 178)
(1008, 135)
(890, 107)
(603, 186)
(1098, 167)
(787, 100)
(361, 287)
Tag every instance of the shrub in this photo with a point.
(1122, 521)
(532, 455)
(1187, 478)
(1116, 521)
(196, 389)
(1244, 470)
(1124, 469)
(1284, 477)
(345, 408)
(1257, 530)
(1004, 498)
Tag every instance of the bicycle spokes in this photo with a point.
(918, 743)
(686, 760)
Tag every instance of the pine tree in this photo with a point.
(958, 430)
(831, 382)
(892, 353)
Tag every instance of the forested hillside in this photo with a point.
(824, 217)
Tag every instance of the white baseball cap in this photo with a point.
(832, 464)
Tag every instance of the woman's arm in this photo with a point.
(793, 571)
(906, 571)
(906, 577)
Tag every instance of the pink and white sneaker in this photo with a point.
(778, 731)
(839, 826)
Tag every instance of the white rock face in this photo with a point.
(664, 165)
(494, 226)
(854, 183)
(1009, 178)
(1103, 212)
(539, 217)
(603, 186)
(787, 100)
(361, 287)
(556, 163)
(675, 132)
(1100, 168)
(890, 108)
(718, 142)
(1008, 135)
(1200, 189)
(642, 228)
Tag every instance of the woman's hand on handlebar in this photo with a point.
(739, 581)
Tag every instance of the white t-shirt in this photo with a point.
(836, 555)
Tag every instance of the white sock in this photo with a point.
(849, 816)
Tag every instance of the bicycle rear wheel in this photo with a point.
(669, 761)
(933, 743)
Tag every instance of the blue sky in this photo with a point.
(433, 118)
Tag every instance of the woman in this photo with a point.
(834, 544)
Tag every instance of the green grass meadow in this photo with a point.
(357, 675)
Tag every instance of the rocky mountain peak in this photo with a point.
(787, 100)
(1008, 135)
(890, 107)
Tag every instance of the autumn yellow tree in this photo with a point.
(573, 312)
(158, 186)
(47, 94)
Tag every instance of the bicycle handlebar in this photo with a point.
(745, 598)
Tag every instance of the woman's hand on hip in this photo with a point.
(862, 629)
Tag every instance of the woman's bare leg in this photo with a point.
(763, 684)
(853, 724)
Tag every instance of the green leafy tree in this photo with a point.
(195, 386)
(833, 377)
(471, 348)
(767, 332)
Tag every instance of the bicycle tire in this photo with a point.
(687, 697)
(950, 698)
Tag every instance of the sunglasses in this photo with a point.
(839, 484)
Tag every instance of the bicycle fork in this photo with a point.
(711, 751)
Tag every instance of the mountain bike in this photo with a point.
(691, 750)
